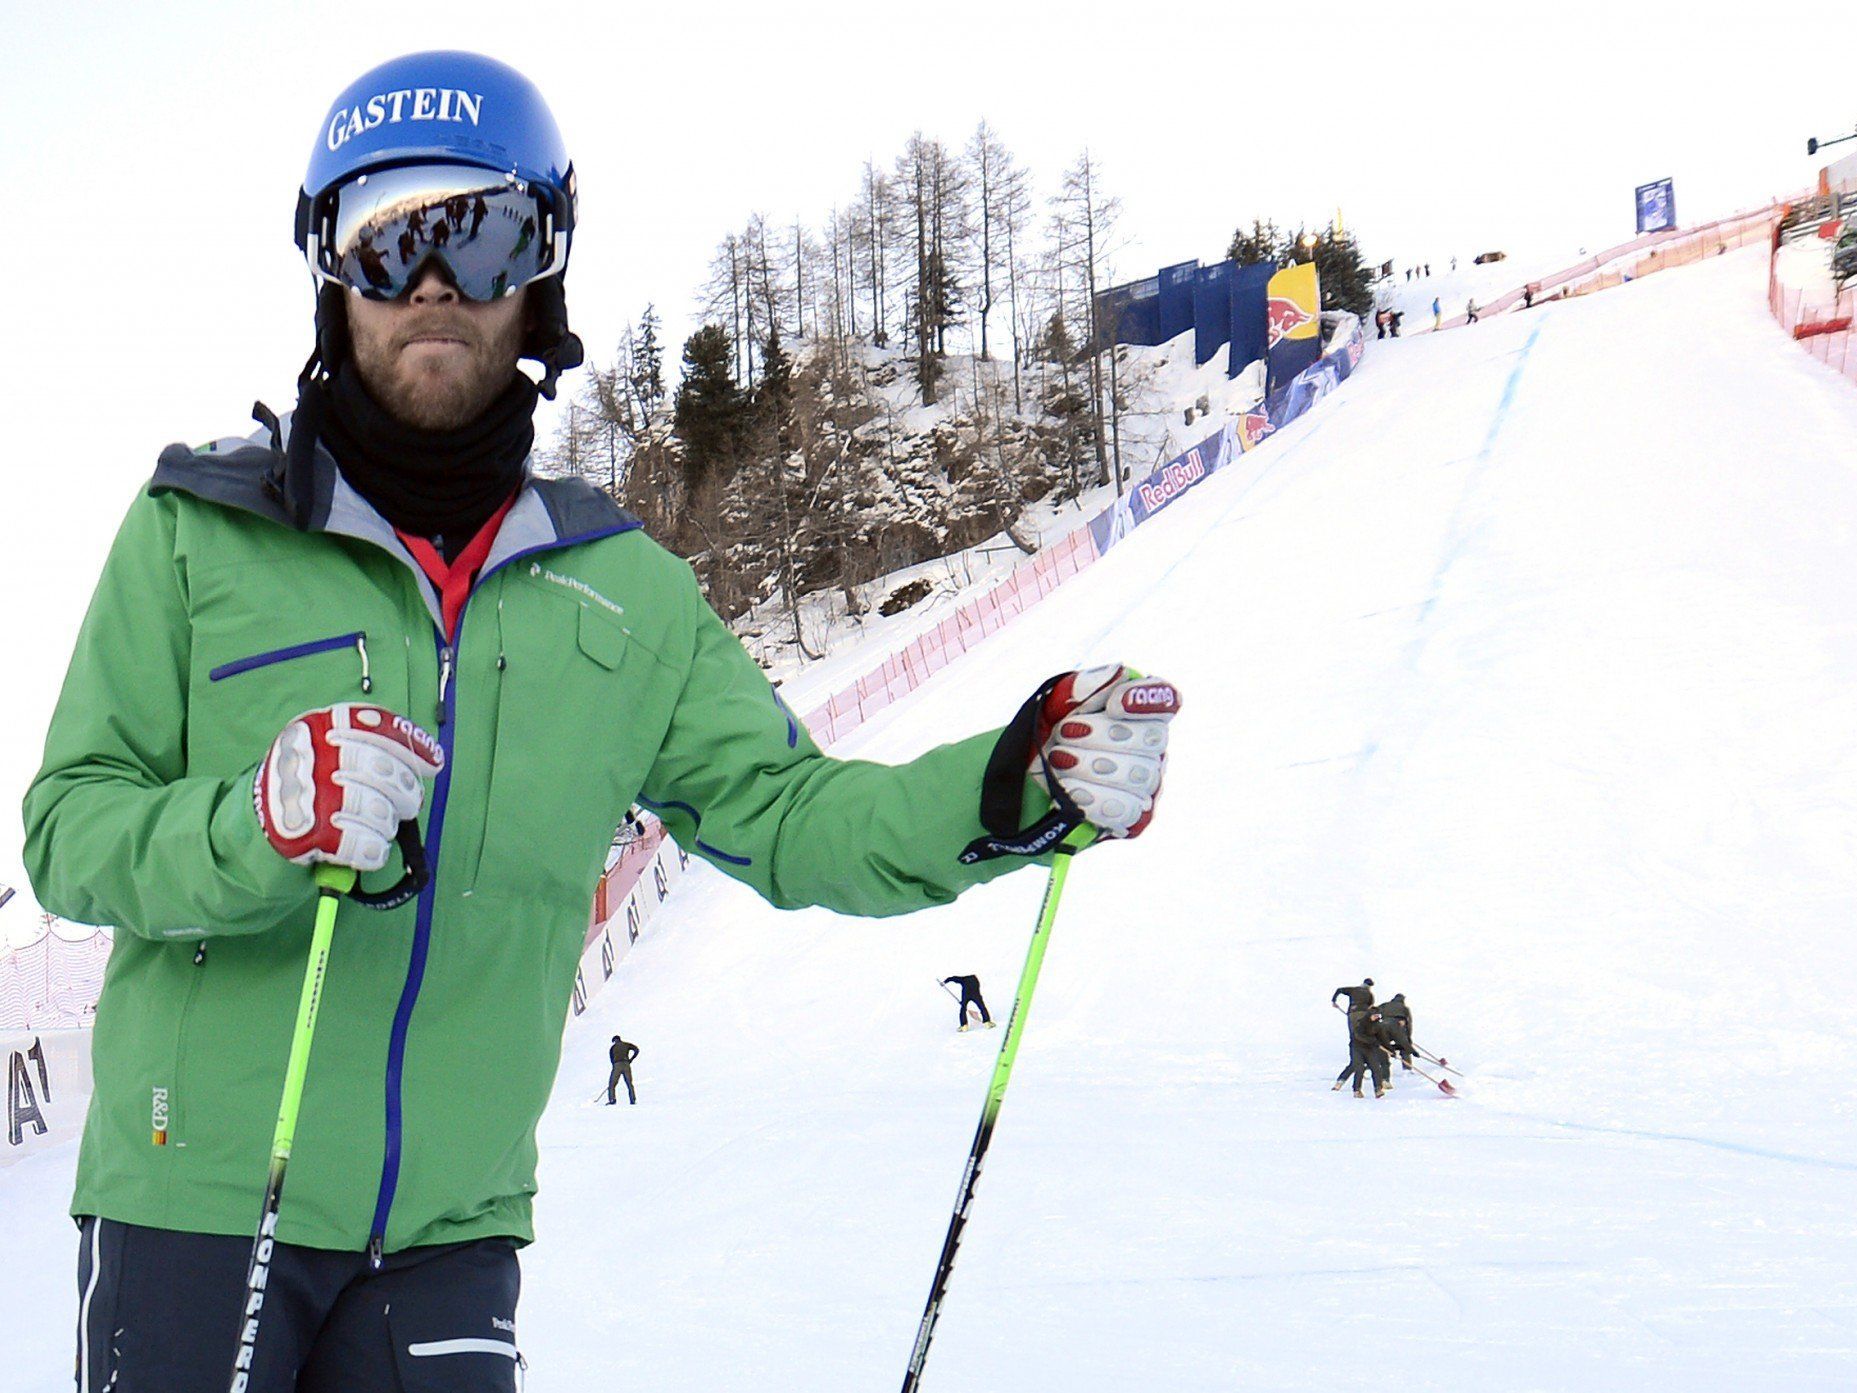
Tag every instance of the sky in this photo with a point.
(155, 291)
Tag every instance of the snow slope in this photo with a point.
(1519, 676)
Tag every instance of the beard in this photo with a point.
(443, 391)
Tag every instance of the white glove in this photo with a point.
(337, 783)
(1103, 732)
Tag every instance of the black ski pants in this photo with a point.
(1364, 1060)
(159, 1312)
(974, 997)
(1402, 1042)
(612, 1084)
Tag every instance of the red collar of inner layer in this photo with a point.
(454, 580)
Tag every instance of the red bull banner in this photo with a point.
(1162, 487)
(1308, 387)
(1292, 322)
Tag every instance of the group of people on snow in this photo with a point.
(1375, 1034)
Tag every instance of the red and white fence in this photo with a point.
(1662, 251)
(1820, 320)
(904, 671)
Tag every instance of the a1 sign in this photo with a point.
(24, 1108)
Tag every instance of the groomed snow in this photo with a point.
(1519, 675)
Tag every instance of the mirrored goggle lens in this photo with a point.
(492, 234)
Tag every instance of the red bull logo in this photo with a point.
(1162, 487)
(1281, 317)
(1254, 426)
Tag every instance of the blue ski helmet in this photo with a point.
(429, 112)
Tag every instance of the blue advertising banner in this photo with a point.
(1212, 309)
(1176, 299)
(1656, 206)
(1148, 496)
(1304, 390)
(1250, 299)
(1129, 314)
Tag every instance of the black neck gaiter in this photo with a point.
(443, 484)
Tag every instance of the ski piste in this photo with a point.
(996, 1094)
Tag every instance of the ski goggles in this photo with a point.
(492, 233)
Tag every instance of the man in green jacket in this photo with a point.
(368, 626)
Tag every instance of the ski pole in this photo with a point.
(332, 882)
(996, 1093)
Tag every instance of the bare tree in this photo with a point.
(915, 175)
(1015, 209)
(1086, 217)
(991, 169)
(874, 230)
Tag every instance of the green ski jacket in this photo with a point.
(586, 672)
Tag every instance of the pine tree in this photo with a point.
(1346, 280)
(773, 399)
(1263, 242)
(648, 361)
(709, 409)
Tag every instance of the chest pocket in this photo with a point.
(256, 665)
(574, 737)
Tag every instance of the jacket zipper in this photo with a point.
(357, 641)
(422, 921)
(416, 965)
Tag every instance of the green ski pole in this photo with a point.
(332, 882)
(996, 1093)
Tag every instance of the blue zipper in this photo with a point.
(357, 640)
(416, 965)
(422, 920)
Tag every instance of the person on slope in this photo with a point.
(1396, 1017)
(1437, 313)
(970, 994)
(622, 1053)
(1359, 998)
(280, 622)
(1366, 1053)
(1470, 312)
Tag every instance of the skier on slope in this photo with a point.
(1359, 998)
(970, 993)
(622, 1053)
(1396, 1017)
(279, 622)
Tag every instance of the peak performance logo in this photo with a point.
(450, 104)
